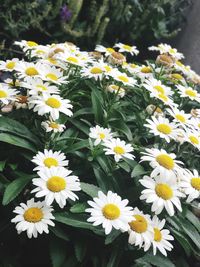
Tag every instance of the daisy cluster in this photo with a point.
(171, 89)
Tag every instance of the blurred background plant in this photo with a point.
(88, 22)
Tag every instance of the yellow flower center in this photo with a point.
(111, 211)
(159, 89)
(123, 78)
(133, 66)
(165, 161)
(177, 76)
(72, 60)
(127, 47)
(31, 43)
(52, 60)
(195, 182)
(179, 63)
(180, 118)
(163, 97)
(119, 150)
(164, 191)
(158, 110)
(194, 140)
(31, 71)
(33, 215)
(146, 69)
(38, 52)
(49, 162)
(107, 68)
(110, 50)
(3, 94)
(10, 65)
(102, 136)
(54, 125)
(44, 88)
(191, 93)
(56, 184)
(52, 76)
(96, 70)
(53, 102)
(164, 128)
(157, 235)
(139, 225)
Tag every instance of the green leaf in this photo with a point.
(96, 105)
(17, 141)
(90, 189)
(112, 236)
(193, 219)
(57, 252)
(137, 171)
(121, 126)
(59, 232)
(77, 221)
(15, 188)
(79, 208)
(77, 146)
(2, 165)
(158, 260)
(80, 249)
(80, 125)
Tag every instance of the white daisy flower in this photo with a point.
(100, 134)
(37, 86)
(190, 182)
(52, 126)
(53, 74)
(120, 91)
(122, 78)
(7, 94)
(49, 159)
(57, 184)
(96, 71)
(156, 87)
(162, 127)
(118, 148)
(192, 137)
(179, 116)
(9, 64)
(140, 230)
(28, 69)
(162, 193)
(161, 237)
(110, 211)
(188, 92)
(165, 48)
(52, 104)
(162, 162)
(127, 48)
(102, 49)
(33, 217)
(26, 45)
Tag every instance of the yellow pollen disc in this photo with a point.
(146, 70)
(72, 60)
(49, 162)
(163, 97)
(180, 118)
(119, 150)
(56, 184)
(111, 211)
(177, 76)
(191, 92)
(54, 125)
(198, 125)
(165, 161)
(123, 78)
(38, 52)
(159, 89)
(164, 191)
(195, 182)
(164, 128)
(102, 136)
(31, 43)
(44, 88)
(51, 60)
(10, 65)
(133, 66)
(194, 140)
(115, 87)
(31, 71)
(158, 110)
(110, 50)
(127, 47)
(172, 51)
(96, 70)
(139, 225)
(107, 68)
(52, 76)
(157, 235)
(53, 102)
(33, 215)
(3, 94)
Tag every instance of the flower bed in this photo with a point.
(100, 154)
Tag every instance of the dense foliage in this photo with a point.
(99, 158)
(89, 22)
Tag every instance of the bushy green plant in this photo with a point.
(112, 100)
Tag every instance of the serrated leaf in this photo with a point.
(137, 171)
(90, 189)
(15, 188)
(79, 208)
